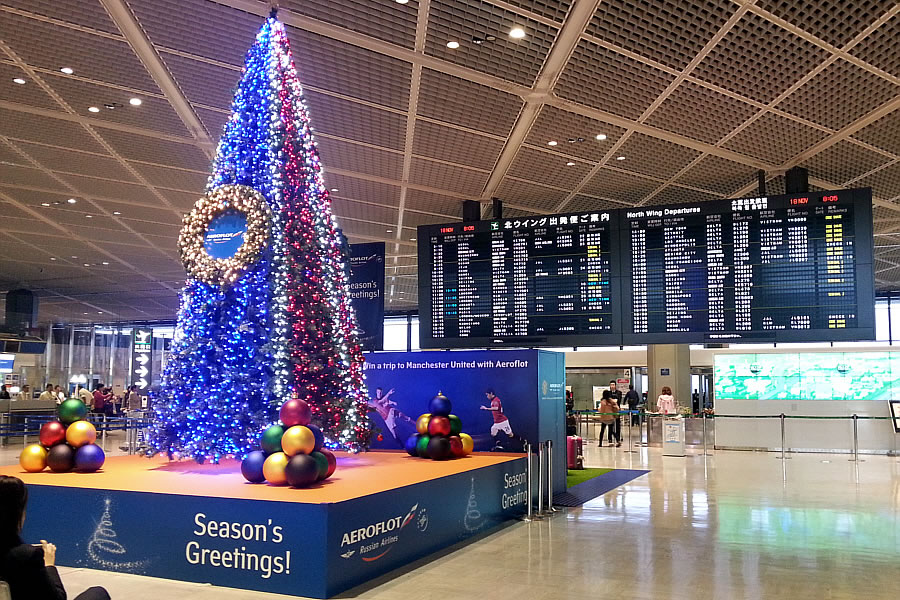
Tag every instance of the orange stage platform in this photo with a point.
(357, 475)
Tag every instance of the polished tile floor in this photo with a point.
(736, 525)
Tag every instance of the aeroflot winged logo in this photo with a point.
(376, 540)
(225, 235)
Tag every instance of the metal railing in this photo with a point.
(587, 418)
(27, 426)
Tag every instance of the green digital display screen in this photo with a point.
(808, 376)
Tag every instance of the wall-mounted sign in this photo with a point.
(367, 292)
(6, 362)
(141, 359)
(663, 372)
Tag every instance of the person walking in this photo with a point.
(609, 420)
(633, 399)
(665, 402)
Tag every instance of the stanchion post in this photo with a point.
(103, 438)
(783, 442)
(550, 508)
(540, 506)
(855, 418)
(529, 501)
(703, 416)
(630, 434)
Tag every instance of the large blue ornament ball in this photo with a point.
(89, 458)
(301, 470)
(438, 448)
(411, 443)
(440, 405)
(252, 466)
(320, 437)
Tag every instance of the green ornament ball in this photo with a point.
(72, 410)
(321, 463)
(422, 446)
(271, 439)
(455, 425)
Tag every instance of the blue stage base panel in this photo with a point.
(315, 550)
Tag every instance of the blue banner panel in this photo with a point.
(247, 544)
(367, 292)
(371, 536)
(402, 384)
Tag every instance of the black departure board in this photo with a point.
(768, 269)
(538, 281)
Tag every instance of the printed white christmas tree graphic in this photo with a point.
(103, 549)
(472, 520)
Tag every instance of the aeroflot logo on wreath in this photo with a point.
(374, 541)
(225, 234)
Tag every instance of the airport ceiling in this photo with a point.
(690, 99)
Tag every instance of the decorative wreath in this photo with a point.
(224, 271)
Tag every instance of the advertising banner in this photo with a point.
(300, 549)
(367, 292)
(503, 397)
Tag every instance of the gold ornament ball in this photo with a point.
(33, 458)
(467, 442)
(422, 423)
(80, 433)
(298, 440)
(273, 468)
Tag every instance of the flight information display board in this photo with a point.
(773, 269)
(539, 281)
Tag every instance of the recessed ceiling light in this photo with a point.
(19, 80)
(88, 216)
(412, 239)
(45, 204)
(620, 158)
(601, 137)
(135, 102)
(570, 164)
(87, 264)
(93, 109)
(335, 190)
(112, 105)
(99, 312)
(517, 33)
(71, 200)
(67, 70)
(52, 258)
(389, 231)
(85, 313)
(453, 45)
(402, 1)
(105, 262)
(73, 256)
(115, 212)
(552, 143)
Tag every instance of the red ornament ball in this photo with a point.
(295, 412)
(439, 426)
(332, 462)
(456, 446)
(52, 433)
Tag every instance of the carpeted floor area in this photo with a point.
(576, 476)
(596, 486)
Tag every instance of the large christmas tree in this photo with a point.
(265, 313)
